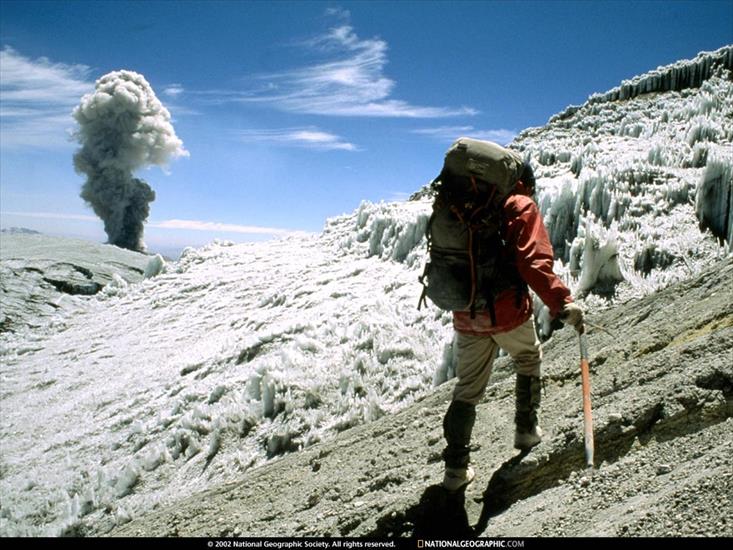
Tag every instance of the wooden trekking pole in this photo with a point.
(587, 412)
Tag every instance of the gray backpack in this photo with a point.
(467, 264)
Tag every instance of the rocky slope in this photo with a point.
(662, 377)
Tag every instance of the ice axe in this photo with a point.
(587, 412)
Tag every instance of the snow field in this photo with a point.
(639, 178)
(230, 357)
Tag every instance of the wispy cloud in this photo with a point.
(51, 216)
(350, 81)
(190, 225)
(338, 12)
(175, 93)
(451, 133)
(37, 98)
(196, 225)
(174, 90)
(308, 137)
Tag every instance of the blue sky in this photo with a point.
(293, 112)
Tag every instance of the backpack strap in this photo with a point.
(471, 226)
(471, 259)
(421, 278)
(424, 294)
(492, 311)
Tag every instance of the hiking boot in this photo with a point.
(524, 441)
(457, 478)
(457, 427)
(528, 391)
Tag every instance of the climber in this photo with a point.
(508, 251)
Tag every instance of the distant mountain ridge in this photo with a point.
(678, 76)
(20, 231)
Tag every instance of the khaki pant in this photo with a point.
(475, 357)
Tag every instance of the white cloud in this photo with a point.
(52, 216)
(197, 225)
(37, 99)
(309, 137)
(174, 90)
(338, 12)
(451, 133)
(192, 225)
(350, 82)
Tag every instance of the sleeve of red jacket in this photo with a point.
(526, 233)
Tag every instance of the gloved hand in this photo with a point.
(571, 314)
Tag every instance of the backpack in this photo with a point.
(464, 271)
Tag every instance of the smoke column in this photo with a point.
(122, 127)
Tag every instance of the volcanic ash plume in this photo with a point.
(122, 127)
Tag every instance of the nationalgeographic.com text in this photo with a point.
(470, 543)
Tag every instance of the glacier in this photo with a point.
(237, 354)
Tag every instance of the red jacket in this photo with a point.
(528, 246)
